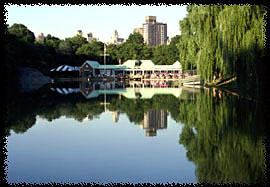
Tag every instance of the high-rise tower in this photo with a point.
(154, 33)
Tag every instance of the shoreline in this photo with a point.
(229, 85)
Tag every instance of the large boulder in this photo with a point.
(31, 79)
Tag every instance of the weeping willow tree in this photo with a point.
(242, 42)
(224, 40)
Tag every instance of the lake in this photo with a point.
(159, 132)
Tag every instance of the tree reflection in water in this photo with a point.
(227, 144)
(223, 134)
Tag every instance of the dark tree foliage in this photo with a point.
(21, 49)
(92, 51)
(22, 32)
(225, 41)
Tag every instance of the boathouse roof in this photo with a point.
(93, 64)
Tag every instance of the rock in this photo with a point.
(31, 79)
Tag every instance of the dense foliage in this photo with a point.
(22, 33)
(22, 50)
(225, 41)
(135, 48)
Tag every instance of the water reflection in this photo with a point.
(151, 120)
(222, 134)
(154, 120)
(131, 90)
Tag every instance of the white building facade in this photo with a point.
(115, 39)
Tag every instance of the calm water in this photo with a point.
(155, 133)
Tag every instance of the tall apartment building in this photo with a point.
(150, 30)
(161, 33)
(154, 33)
(154, 120)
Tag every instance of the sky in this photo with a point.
(65, 21)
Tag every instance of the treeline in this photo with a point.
(22, 49)
(225, 41)
(135, 48)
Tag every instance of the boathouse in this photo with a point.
(133, 68)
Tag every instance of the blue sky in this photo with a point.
(64, 21)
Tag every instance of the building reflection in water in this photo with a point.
(153, 121)
(115, 115)
(131, 90)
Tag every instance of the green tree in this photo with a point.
(22, 32)
(173, 51)
(91, 50)
(226, 40)
(147, 52)
(77, 42)
(160, 54)
(114, 51)
(65, 47)
(167, 54)
(51, 41)
(133, 47)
